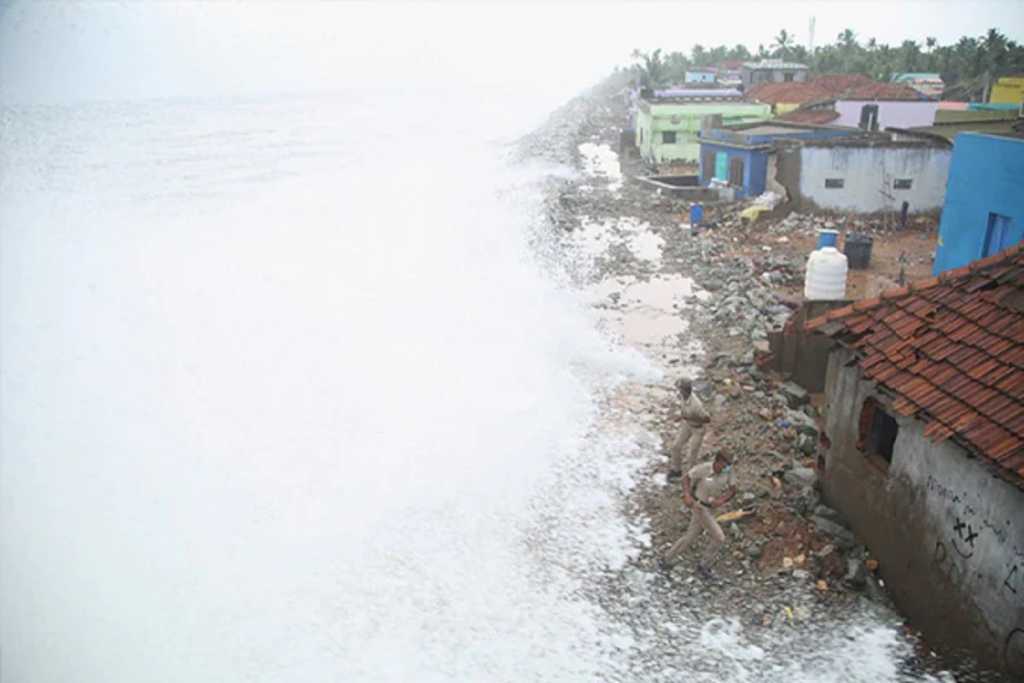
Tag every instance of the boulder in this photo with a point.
(795, 394)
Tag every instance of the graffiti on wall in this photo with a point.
(968, 533)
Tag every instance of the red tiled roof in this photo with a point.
(774, 93)
(950, 351)
(818, 117)
(832, 87)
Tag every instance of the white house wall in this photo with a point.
(891, 113)
(869, 175)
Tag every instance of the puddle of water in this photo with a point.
(601, 161)
(645, 312)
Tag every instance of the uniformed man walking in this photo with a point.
(686, 447)
(707, 486)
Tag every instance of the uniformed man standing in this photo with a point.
(686, 447)
(707, 486)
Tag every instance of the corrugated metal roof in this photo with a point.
(950, 350)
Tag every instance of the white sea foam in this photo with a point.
(286, 398)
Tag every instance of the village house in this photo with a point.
(928, 84)
(698, 76)
(771, 71)
(984, 206)
(924, 401)
(730, 73)
(743, 155)
(667, 125)
(856, 100)
(863, 173)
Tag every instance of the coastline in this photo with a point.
(790, 567)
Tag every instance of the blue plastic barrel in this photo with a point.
(696, 214)
(827, 238)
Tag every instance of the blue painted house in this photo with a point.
(739, 154)
(984, 209)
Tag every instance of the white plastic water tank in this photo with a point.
(826, 275)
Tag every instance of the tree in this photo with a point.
(650, 69)
(698, 55)
(739, 52)
(783, 43)
(847, 39)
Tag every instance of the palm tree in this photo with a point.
(782, 44)
(698, 55)
(847, 39)
(651, 69)
(994, 53)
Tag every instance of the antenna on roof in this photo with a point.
(810, 39)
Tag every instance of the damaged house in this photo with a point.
(743, 156)
(925, 414)
(863, 174)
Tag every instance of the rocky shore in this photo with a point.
(791, 565)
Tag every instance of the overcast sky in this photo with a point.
(111, 50)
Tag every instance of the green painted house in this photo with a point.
(667, 127)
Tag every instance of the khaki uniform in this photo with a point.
(707, 486)
(686, 447)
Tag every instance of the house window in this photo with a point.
(877, 431)
(669, 137)
(833, 183)
(902, 183)
(999, 234)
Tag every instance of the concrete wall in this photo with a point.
(949, 535)
(1007, 90)
(986, 176)
(897, 113)
(685, 120)
(868, 175)
(752, 77)
(800, 354)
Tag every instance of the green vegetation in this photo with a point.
(969, 67)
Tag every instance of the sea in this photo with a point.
(306, 388)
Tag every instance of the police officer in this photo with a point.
(707, 486)
(686, 447)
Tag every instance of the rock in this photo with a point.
(803, 423)
(795, 394)
(802, 574)
(828, 513)
(856, 574)
(801, 476)
(843, 537)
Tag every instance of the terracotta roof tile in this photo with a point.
(831, 87)
(950, 353)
